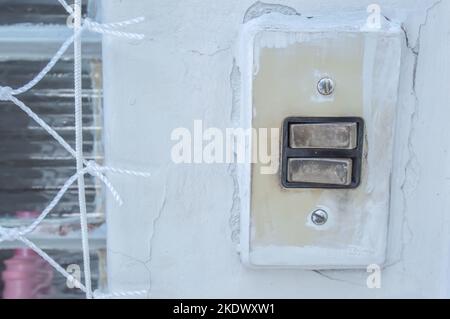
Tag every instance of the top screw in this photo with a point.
(326, 86)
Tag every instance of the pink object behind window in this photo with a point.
(27, 275)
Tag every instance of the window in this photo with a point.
(33, 166)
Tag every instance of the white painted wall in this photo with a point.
(173, 235)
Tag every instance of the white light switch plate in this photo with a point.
(281, 60)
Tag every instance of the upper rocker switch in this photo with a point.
(324, 135)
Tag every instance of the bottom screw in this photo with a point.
(319, 217)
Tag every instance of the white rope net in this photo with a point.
(83, 166)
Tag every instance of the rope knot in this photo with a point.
(11, 234)
(96, 170)
(87, 23)
(5, 93)
(93, 168)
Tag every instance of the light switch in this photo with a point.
(322, 152)
(329, 85)
(328, 171)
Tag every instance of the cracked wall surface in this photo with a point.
(176, 234)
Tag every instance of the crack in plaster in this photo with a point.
(218, 51)
(146, 263)
(329, 277)
(161, 210)
(412, 167)
(133, 259)
(260, 8)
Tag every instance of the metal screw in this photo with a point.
(326, 86)
(319, 217)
